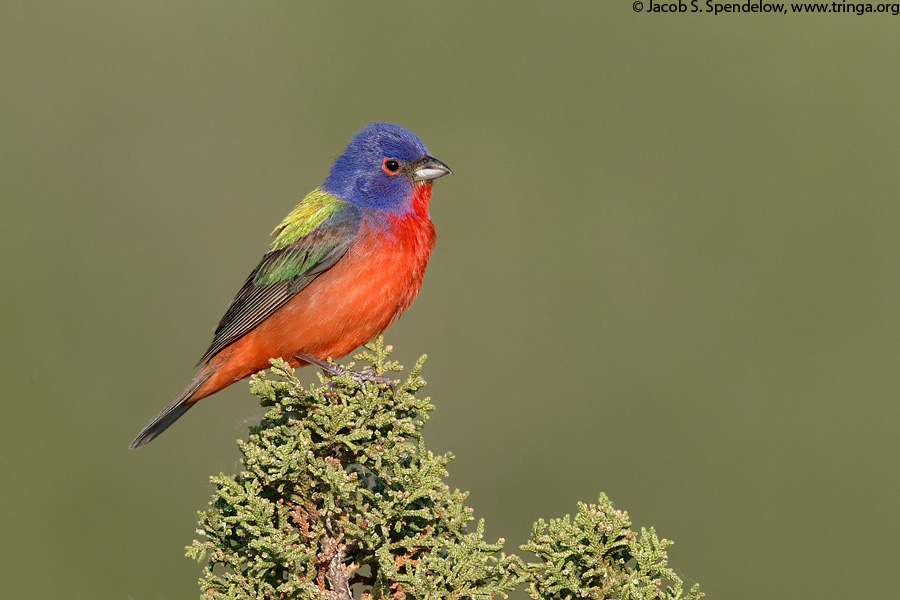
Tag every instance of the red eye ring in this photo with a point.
(391, 166)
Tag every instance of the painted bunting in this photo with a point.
(344, 264)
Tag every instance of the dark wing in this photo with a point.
(281, 274)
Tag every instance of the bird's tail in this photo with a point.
(172, 412)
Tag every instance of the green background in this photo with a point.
(667, 269)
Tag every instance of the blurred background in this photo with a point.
(667, 269)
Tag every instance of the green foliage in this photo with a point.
(339, 498)
(598, 556)
(338, 490)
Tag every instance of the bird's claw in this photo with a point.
(335, 370)
(369, 376)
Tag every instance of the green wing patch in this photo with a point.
(312, 211)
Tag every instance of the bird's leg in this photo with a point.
(332, 369)
(335, 370)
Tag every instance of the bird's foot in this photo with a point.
(335, 370)
(369, 376)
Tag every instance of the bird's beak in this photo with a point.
(430, 168)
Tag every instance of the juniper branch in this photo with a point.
(338, 494)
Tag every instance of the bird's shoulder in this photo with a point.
(309, 240)
(318, 212)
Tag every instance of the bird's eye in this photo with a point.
(391, 166)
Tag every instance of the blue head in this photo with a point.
(380, 167)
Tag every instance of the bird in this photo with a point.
(342, 267)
